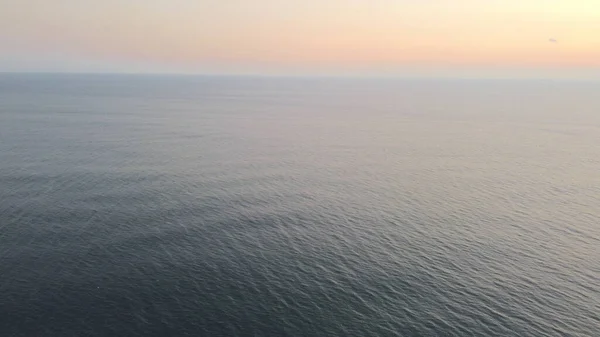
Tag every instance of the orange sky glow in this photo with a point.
(197, 36)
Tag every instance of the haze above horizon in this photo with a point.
(436, 38)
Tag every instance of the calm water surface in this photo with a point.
(182, 206)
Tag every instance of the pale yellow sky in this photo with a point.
(197, 36)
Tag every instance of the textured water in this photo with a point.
(166, 206)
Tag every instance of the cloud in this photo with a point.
(552, 41)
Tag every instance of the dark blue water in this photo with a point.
(182, 206)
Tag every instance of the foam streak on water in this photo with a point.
(173, 206)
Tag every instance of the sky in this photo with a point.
(548, 38)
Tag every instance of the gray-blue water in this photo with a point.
(190, 206)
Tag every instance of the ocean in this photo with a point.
(143, 205)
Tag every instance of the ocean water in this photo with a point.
(207, 206)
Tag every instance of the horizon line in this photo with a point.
(305, 76)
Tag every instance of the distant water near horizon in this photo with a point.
(208, 206)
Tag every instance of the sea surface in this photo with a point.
(239, 206)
